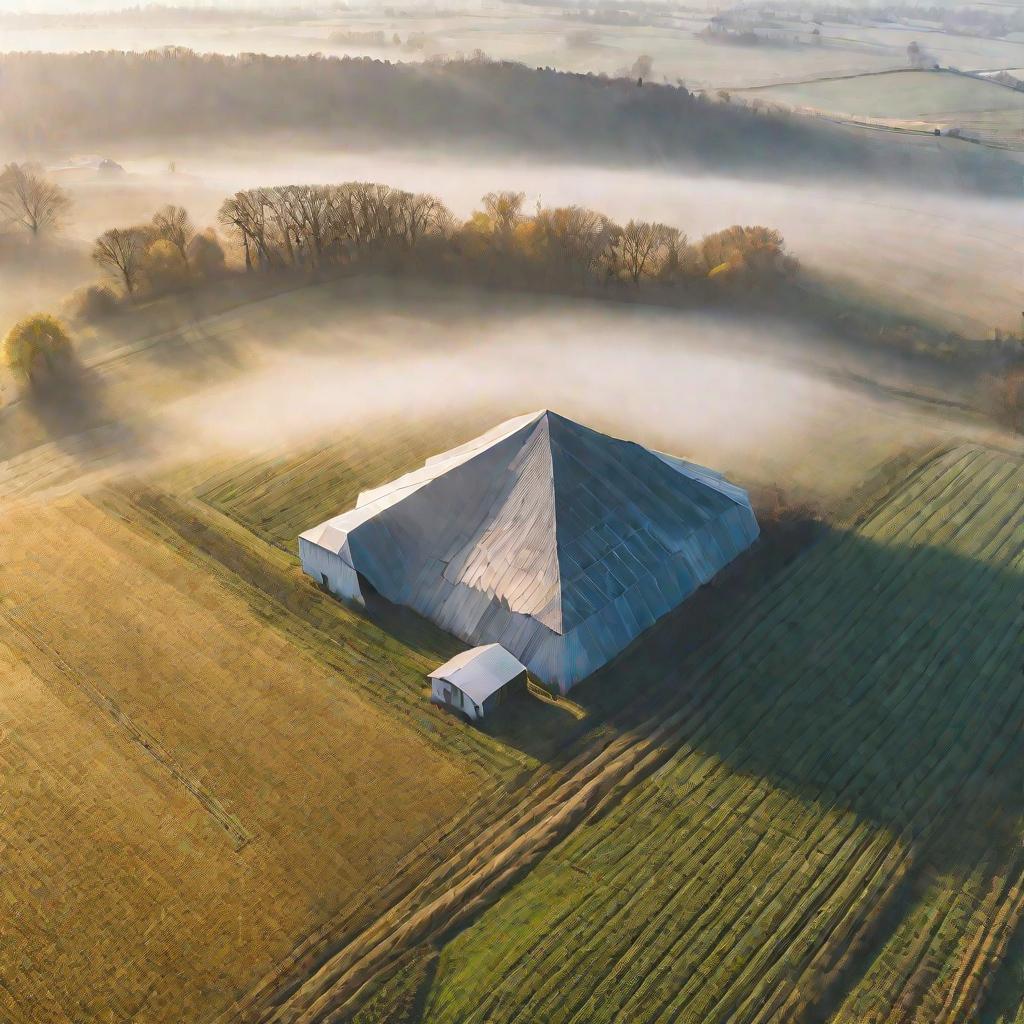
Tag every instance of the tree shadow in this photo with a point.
(72, 410)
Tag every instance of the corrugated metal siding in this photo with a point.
(560, 543)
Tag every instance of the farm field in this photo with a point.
(204, 387)
(196, 709)
(551, 37)
(531, 36)
(911, 95)
(982, 110)
(196, 746)
(837, 833)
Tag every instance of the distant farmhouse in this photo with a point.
(558, 542)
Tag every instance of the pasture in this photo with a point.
(837, 832)
(908, 95)
(196, 749)
(547, 36)
(982, 110)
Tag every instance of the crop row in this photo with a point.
(844, 724)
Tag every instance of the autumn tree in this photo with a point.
(642, 248)
(173, 225)
(206, 255)
(751, 252)
(120, 252)
(35, 345)
(504, 211)
(576, 239)
(27, 198)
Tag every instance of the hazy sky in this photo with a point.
(61, 6)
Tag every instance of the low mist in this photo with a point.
(952, 259)
(742, 398)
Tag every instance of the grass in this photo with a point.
(907, 95)
(838, 835)
(193, 774)
(197, 745)
(921, 100)
(279, 497)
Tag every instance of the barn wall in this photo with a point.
(342, 579)
(437, 695)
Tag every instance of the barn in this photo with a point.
(478, 681)
(554, 540)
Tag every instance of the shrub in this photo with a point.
(206, 255)
(91, 303)
(163, 268)
(37, 346)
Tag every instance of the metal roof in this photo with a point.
(555, 540)
(481, 671)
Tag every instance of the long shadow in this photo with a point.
(535, 726)
(892, 687)
(546, 729)
(72, 410)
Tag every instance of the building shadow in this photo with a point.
(885, 680)
(881, 679)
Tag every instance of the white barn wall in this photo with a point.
(342, 579)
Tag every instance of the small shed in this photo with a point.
(477, 681)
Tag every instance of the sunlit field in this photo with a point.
(239, 289)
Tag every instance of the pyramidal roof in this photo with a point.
(549, 518)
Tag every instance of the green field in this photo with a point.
(904, 95)
(214, 774)
(837, 833)
(980, 110)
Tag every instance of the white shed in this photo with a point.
(477, 681)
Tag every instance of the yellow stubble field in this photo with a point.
(184, 794)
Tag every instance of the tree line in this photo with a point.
(107, 98)
(321, 229)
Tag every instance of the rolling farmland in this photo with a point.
(195, 748)
(190, 722)
(837, 833)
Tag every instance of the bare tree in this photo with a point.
(246, 213)
(173, 224)
(505, 209)
(120, 251)
(425, 214)
(576, 239)
(643, 247)
(30, 200)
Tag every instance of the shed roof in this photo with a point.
(480, 671)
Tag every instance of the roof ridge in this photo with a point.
(544, 423)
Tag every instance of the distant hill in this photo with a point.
(174, 94)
